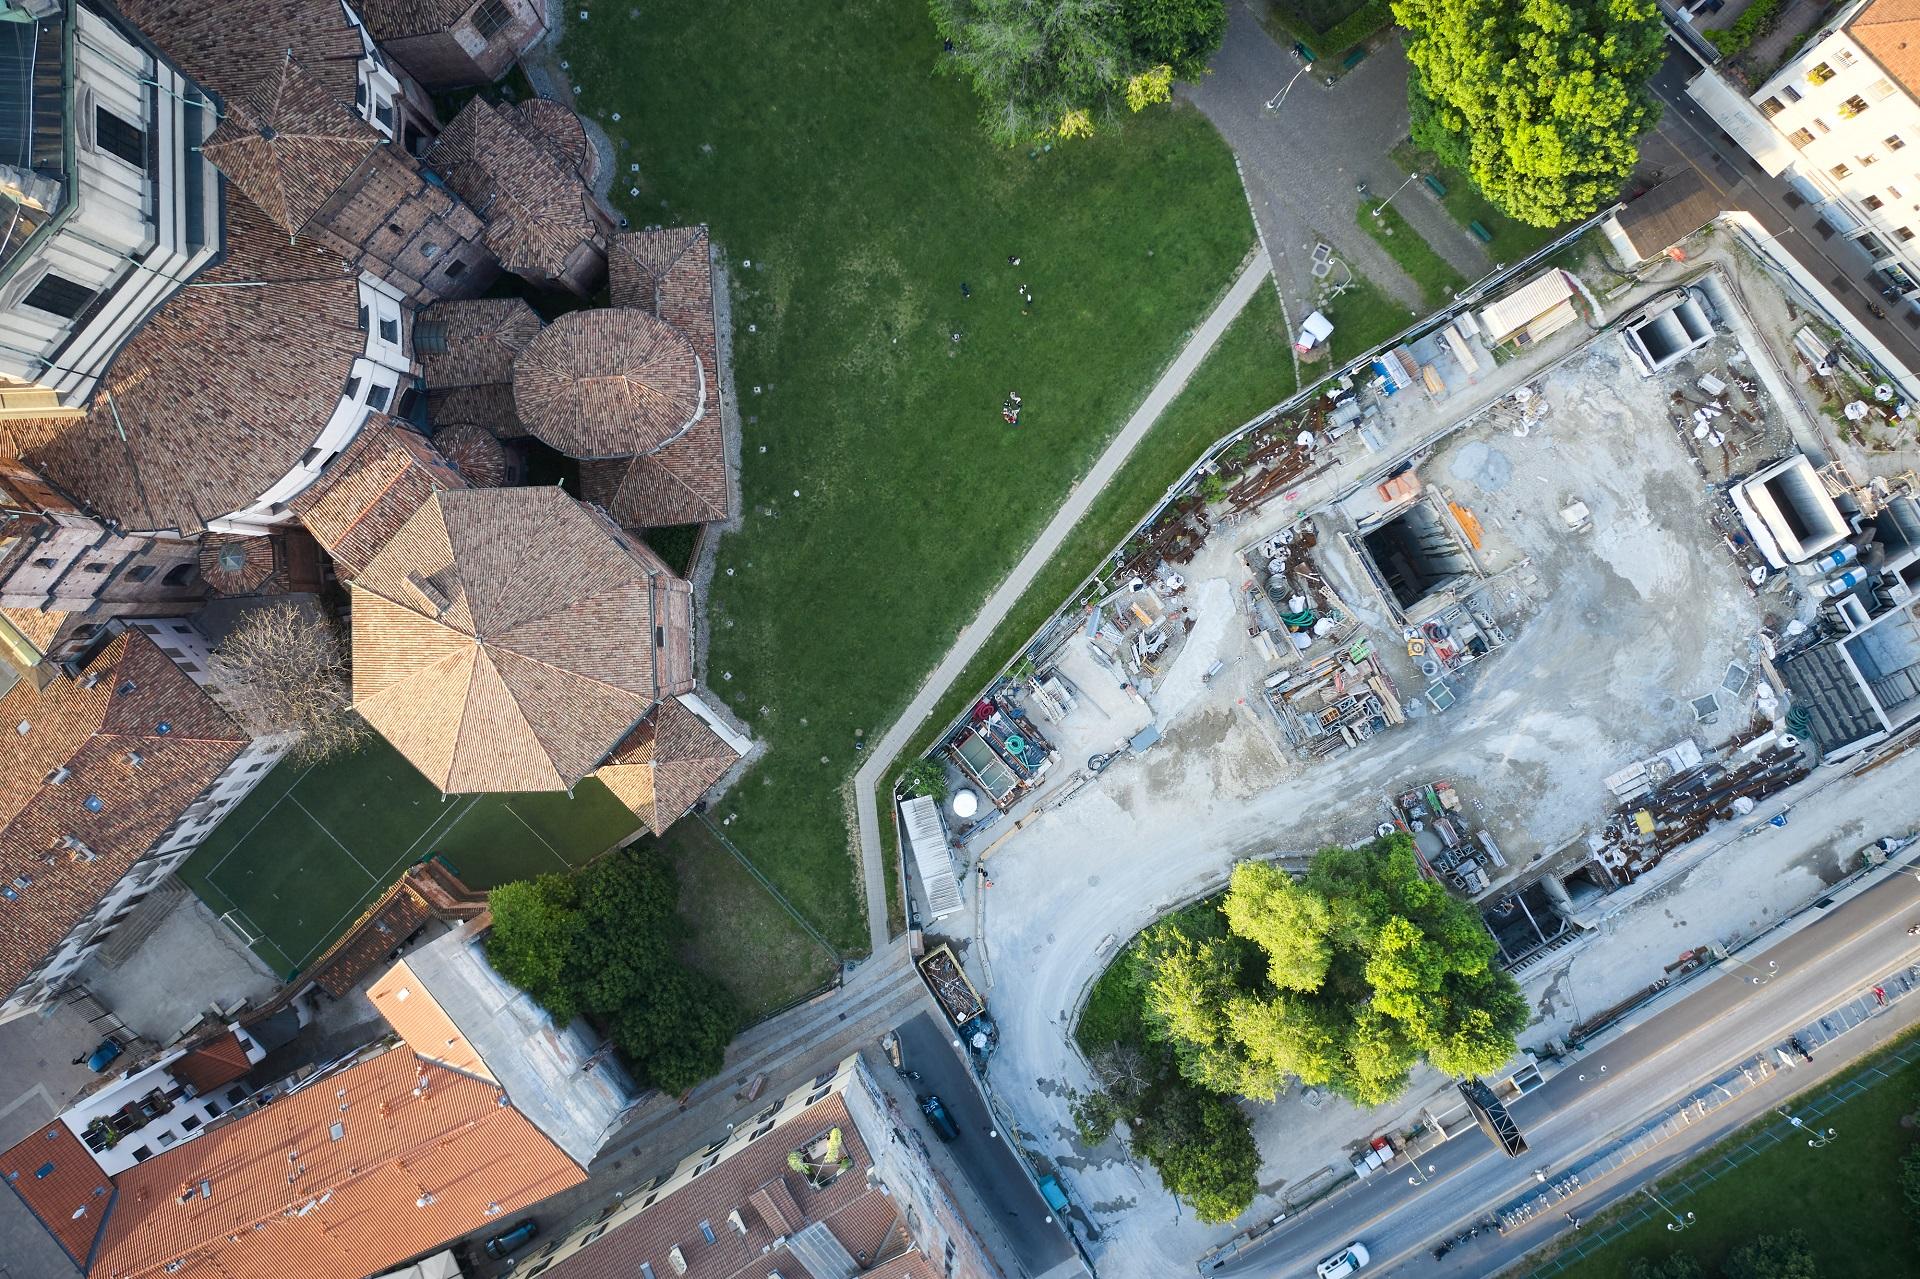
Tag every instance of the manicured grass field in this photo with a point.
(884, 495)
(1436, 277)
(1511, 240)
(1844, 1197)
(310, 848)
(741, 935)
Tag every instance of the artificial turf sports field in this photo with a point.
(312, 846)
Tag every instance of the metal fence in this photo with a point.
(1728, 1160)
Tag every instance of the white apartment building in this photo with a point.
(1846, 103)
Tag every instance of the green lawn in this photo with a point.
(739, 934)
(1436, 277)
(1845, 1197)
(1511, 240)
(883, 493)
(305, 853)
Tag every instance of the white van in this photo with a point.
(1345, 1262)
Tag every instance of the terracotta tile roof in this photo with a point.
(92, 732)
(663, 767)
(364, 496)
(475, 452)
(217, 397)
(410, 1008)
(537, 210)
(609, 383)
(226, 45)
(482, 337)
(218, 1062)
(1889, 30)
(669, 274)
(37, 626)
(490, 406)
(428, 890)
(61, 1185)
(289, 144)
(392, 19)
(772, 1202)
(505, 639)
(235, 565)
(422, 1153)
(559, 128)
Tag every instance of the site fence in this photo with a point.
(1472, 297)
(1726, 1161)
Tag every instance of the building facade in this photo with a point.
(106, 208)
(1846, 102)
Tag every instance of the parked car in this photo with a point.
(1343, 1263)
(937, 1117)
(514, 1237)
(105, 1055)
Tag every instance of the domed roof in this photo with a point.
(609, 383)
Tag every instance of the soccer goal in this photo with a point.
(242, 927)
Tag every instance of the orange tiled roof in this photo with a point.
(507, 639)
(559, 128)
(93, 733)
(423, 1154)
(220, 1061)
(481, 335)
(61, 1185)
(289, 144)
(417, 1017)
(370, 490)
(426, 891)
(663, 767)
(227, 45)
(538, 211)
(1889, 30)
(609, 383)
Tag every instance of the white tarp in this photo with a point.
(927, 837)
(1743, 122)
(1536, 298)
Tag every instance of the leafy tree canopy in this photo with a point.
(1047, 70)
(1773, 1257)
(1538, 101)
(1344, 980)
(1677, 1266)
(1204, 1151)
(604, 943)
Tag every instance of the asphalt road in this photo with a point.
(983, 1155)
(1609, 1092)
(1686, 135)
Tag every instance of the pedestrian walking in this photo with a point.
(1880, 996)
(965, 292)
(1013, 259)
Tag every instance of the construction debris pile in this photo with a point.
(1000, 750)
(1336, 702)
(1290, 599)
(1673, 798)
(1444, 839)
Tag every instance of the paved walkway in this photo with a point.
(1302, 163)
(1039, 555)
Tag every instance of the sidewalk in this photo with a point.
(883, 756)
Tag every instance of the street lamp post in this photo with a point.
(1820, 1137)
(1273, 103)
(1396, 191)
(1767, 974)
(1418, 1178)
(1678, 1223)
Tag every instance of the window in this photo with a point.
(1820, 73)
(1790, 93)
(1844, 57)
(1852, 107)
(592, 1235)
(390, 332)
(177, 575)
(1905, 232)
(352, 389)
(118, 138)
(140, 572)
(377, 397)
(1873, 202)
(1841, 170)
(43, 562)
(1869, 159)
(59, 295)
(1881, 90)
(706, 1232)
(93, 568)
(491, 18)
(1773, 106)
(383, 115)
(190, 1122)
(1820, 126)
(704, 1165)
(455, 269)
(1894, 141)
(363, 317)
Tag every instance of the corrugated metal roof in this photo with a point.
(932, 857)
(1534, 298)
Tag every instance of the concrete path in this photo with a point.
(1302, 163)
(977, 632)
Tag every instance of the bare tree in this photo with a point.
(285, 670)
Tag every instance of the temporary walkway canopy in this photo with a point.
(927, 837)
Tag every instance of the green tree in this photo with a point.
(924, 777)
(1539, 101)
(1343, 979)
(1773, 1257)
(536, 931)
(1046, 70)
(1203, 1148)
